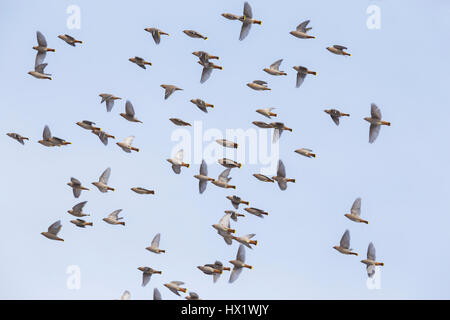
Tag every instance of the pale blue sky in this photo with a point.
(402, 178)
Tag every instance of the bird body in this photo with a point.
(246, 240)
(302, 72)
(17, 137)
(274, 69)
(258, 85)
(228, 163)
(77, 210)
(147, 272)
(344, 246)
(302, 31)
(336, 114)
(169, 89)
(223, 179)
(306, 152)
(339, 50)
(267, 112)
(262, 177)
(140, 190)
(238, 264)
(180, 122)
(81, 223)
(53, 230)
(109, 100)
(126, 145)
(375, 122)
(177, 162)
(102, 183)
(202, 105)
(154, 247)
(113, 218)
(236, 201)
(257, 212)
(156, 34)
(227, 144)
(194, 34)
(140, 62)
(355, 212)
(175, 286)
(69, 39)
(76, 186)
(281, 176)
(88, 125)
(129, 113)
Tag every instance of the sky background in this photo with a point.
(402, 178)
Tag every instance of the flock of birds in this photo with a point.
(223, 226)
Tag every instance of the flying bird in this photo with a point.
(154, 247)
(53, 231)
(140, 190)
(147, 274)
(126, 144)
(302, 72)
(371, 262)
(192, 296)
(257, 212)
(156, 34)
(262, 124)
(76, 186)
(279, 128)
(375, 122)
(179, 122)
(262, 177)
(246, 240)
(174, 286)
(194, 34)
(102, 183)
(81, 223)
(339, 50)
(227, 144)
(236, 201)
(39, 73)
(88, 125)
(223, 179)
(247, 21)
(208, 67)
(234, 215)
(203, 177)
(212, 269)
(344, 245)
(302, 31)
(274, 69)
(202, 105)
(17, 137)
(177, 162)
(355, 212)
(223, 228)
(140, 62)
(41, 48)
(258, 85)
(49, 141)
(204, 55)
(77, 210)
(336, 114)
(69, 39)
(169, 89)
(129, 113)
(281, 176)
(306, 152)
(267, 112)
(109, 100)
(228, 163)
(113, 218)
(103, 136)
(238, 264)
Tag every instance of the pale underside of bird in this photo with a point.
(81, 223)
(175, 286)
(109, 100)
(39, 72)
(262, 124)
(375, 122)
(262, 177)
(239, 264)
(223, 179)
(102, 183)
(177, 161)
(228, 163)
(274, 69)
(267, 112)
(126, 145)
(302, 31)
(156, 34)
(53, 230)
(88, 125)
(154, 246)
(281, 176)
(246, 240)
